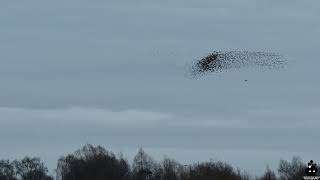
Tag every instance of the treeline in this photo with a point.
(96, 163)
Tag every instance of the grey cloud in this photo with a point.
(132, 127)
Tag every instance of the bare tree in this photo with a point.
(144, 167)
(213, 170)
(268, 175)
(170, 169)
(94, 163)
(293, 170)
(7, 171)
(31, 169)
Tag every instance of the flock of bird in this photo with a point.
(219, 61)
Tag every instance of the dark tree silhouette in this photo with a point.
(293, 170)
(268, 175)
(170, 169)
(94, 163)
(31, 169)
(144, 167)
(213, 170)
(7, 170)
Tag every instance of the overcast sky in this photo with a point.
(112, 72)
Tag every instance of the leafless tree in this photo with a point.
(92, 162)
(7, 171)
(293, 170)
(31, 169)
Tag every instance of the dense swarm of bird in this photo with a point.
(219, 61)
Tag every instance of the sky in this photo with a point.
(112, 73)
